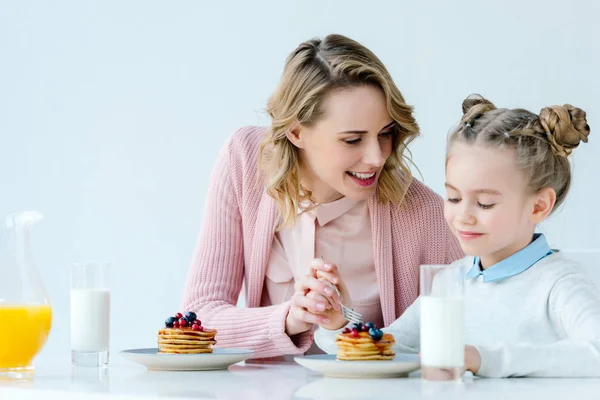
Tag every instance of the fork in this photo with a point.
(348, 313)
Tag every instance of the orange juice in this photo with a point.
(23, 332)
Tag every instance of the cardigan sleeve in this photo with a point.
(215, 277)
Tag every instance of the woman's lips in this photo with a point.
(363, 182)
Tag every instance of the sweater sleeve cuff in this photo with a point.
(491, 362)
(300, 342)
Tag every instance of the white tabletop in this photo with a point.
(272, 380)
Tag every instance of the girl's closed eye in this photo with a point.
(453, 200)
(485, 206)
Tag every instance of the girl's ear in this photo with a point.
(543, 205)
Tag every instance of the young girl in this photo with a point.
(530, 311)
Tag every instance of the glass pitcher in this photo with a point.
(25, 312)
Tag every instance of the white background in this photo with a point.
(112, 113)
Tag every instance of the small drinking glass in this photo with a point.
(90, 314)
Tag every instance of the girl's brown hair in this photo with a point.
(542, 143)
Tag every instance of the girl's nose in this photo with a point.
(465, 216)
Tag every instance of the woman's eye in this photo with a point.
(485, 206)
(453, 200)
(352, 141)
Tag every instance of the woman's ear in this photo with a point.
(543, 205)
(296, 135)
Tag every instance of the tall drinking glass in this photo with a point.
(442, 322)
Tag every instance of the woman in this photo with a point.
(327, 179)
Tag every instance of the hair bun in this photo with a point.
(475, 106)
(565, 126)
(475, 100)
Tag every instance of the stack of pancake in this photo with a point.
(360, 346)
(186, 340)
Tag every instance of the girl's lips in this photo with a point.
(469, 235)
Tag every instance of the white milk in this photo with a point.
(90, 319)
(442, 331)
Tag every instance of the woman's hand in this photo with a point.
(332, 276)
(335, 317)
(305, 311)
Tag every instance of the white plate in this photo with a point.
(218, 359)
(328, 365)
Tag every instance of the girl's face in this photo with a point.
(344, 152)
(488, 205)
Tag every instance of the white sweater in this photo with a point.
(543, 322)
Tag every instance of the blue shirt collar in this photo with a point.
(515, 264)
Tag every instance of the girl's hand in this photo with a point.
(472, 359)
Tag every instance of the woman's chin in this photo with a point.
(361, 194)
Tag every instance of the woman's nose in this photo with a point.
(374, 155)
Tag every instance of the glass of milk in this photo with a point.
(90, 314)
(442, 322)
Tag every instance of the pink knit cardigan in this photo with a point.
(235, 243)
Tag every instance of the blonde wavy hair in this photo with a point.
(314, 69)
(541, 143)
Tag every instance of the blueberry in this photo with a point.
(190, 316)
(358, 326)
(370, 325)
(169, 322)
(375, 334)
